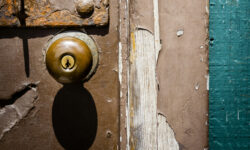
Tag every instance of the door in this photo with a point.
(36, 111)
(144, 85)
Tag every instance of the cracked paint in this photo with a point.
(11, 114)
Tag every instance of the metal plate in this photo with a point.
(53, 13)
(9, 11)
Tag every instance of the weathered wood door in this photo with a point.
(36, 112)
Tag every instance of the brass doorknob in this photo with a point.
(69, 59)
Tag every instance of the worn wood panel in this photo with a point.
(142, 91)
(123, 69)
(142, 100)
(148, 129)
(182, 70)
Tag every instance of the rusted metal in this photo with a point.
(84, 7)
(9, 10)
(43, 13)
(46, 13)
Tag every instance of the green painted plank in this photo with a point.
(229, 71)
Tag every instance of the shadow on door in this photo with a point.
(74, 117)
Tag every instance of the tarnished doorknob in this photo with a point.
(71, 57)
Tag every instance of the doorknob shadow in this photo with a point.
(74, 117)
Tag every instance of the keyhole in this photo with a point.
(67, 62)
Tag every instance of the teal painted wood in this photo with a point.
(229, 70)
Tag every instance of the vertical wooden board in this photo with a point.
(147, 129)
(123, 52)
(182, 70)
(229, 70)
(142, 91)
(142, 100)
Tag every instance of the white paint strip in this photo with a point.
(128, 117)
(120, 65)
(207, 77)
(166, 137)
(156, 29)
(143, 91)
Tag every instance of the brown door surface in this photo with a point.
(37, 112)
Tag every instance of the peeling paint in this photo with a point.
(182, 64)
(179, 33)
(207, 77)
(120, 62)
(166, 135)
(11, 114)
(197, 86)
(109, 100)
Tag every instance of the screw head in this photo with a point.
(84, 7)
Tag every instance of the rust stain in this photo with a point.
(9, 10)
(101, 18)
(42, 13)
(132, 55)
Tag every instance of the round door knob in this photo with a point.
(71, 57)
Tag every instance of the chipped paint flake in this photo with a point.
(207, 77)
(179, 33)
(197, 86)
(10, 115)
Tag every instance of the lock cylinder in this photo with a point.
(69, 59)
